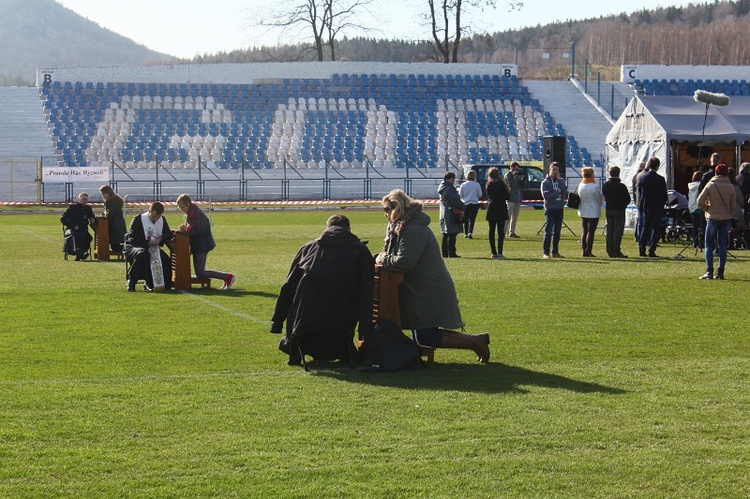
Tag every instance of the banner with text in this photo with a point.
(63, 174)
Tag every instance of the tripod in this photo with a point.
(563, 224)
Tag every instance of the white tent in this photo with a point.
(657, 125)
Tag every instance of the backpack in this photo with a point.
(389, 349)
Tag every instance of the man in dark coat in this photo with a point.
(617, 198)
(652, 194)
(327, 292)
(76, 219)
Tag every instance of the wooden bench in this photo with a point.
(386, 304)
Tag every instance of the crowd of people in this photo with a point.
(328, 292)
(142, 242)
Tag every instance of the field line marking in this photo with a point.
(225, 309)
(34, 234)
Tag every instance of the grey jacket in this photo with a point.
(449, 199)
(427, 294)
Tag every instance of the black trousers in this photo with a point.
(140, 267)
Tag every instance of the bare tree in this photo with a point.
(447, 26)
(318, 20)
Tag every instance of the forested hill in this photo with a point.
(714, 33)
(43, 33)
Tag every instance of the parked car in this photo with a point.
(533, 176)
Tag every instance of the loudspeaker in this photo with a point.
(554, 151)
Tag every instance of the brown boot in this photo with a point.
(477, 342)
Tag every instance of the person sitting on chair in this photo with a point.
(148, 232)
(76, 219)
(327, 292)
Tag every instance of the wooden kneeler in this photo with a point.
(181, 277)
(386, 304)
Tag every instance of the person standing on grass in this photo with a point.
(470, 192)
(113, 206)
(652, 194)
(617, 198)
(202, 241)
(515, 181)
(451, 214)
(497, 211)
(590, 209)
(634, 191)
(718, 200)
(554, 193)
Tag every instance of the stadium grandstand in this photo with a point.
(343, 120)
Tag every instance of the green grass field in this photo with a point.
(608, 378)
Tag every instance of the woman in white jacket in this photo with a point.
(590, 209)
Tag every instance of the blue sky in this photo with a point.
(185, 28)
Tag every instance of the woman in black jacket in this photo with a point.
(497, 211)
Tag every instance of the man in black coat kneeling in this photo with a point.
(327, 292)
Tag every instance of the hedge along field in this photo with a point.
(608, 378)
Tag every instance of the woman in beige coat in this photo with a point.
(717, 199)
(428, 302)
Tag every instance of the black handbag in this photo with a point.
(574, 200)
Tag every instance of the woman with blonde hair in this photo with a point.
(427, 296)
(590, 209)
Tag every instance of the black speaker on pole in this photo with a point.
(554, 151)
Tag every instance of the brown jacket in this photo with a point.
(718, 198)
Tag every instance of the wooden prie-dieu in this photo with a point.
(102, 250)
(181, 276)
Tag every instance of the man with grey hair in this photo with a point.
(327, 292)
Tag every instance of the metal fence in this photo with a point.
(20, 179)
(247, 185)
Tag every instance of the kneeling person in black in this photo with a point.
(327, 292)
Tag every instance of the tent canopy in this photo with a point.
(650, 123)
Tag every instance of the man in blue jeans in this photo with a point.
(555, 194)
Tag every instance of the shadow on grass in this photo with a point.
(489, 378)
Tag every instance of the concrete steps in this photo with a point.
(574, 112)
(23, 127)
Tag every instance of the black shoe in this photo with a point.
(131, 286)
(653, 255)
(719, 274)
(454, 256)
(621, 255)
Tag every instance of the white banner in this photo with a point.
(63, 174)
